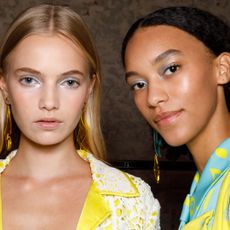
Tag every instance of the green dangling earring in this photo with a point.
(157, 143)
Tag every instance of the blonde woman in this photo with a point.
(52, 176)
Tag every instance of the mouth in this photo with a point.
(167, 118)
(48, 123)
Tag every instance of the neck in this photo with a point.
(202, 147)
(46, 162)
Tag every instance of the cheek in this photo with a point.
(195, 87)
(140, 100)
(21, 110)
(21, 101)
(73, 103)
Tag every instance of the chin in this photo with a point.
(47, 143)
(175, 142)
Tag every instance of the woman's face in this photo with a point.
(173, 78)
(48, 83)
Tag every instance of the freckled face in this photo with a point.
(48, 82)
(173, 79)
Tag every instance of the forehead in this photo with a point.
(47, 40)
(34, 51)
(160, 38)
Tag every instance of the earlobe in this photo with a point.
(223, 61)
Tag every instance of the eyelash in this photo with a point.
(29, 81)
(32, 81)
(136, 84)
(71, 83)
(172, 68)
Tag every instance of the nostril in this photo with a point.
(49, 100)
(156, 97)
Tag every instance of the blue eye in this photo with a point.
(29, 81)
(138, 85)
(171, 69)
(70, 83)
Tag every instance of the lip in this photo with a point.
(48, 123)
(167, 118)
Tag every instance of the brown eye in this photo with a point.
(171, 69)
(138, 85)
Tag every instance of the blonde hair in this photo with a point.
(61, 20)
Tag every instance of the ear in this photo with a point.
(91, 86)
(93, 80)
(3, 88)
(223, 64)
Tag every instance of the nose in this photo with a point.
(49, 99)
(157, 94)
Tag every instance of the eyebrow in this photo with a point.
(73, 72)
(156, 60)
(165, 55)
(33, 71)
(130, 74)
(28, 70)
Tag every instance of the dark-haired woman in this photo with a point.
(177, 63)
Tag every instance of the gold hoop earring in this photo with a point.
(8, 130)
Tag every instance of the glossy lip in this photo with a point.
(48, 123)
(167, 118)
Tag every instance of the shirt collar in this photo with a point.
(106, 181)
(217, 164)
(216, 167)
(105, 178)
(109, 180)
(5, 162)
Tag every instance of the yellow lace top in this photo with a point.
(115, 201)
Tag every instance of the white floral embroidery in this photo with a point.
(135, 208)
(109, 178)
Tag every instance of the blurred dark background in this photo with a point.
(128, 137)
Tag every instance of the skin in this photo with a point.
(179, 91)
(47, 84)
